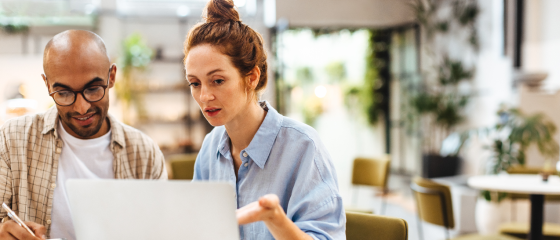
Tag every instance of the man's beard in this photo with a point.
(84, 132)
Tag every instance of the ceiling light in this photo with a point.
(239, 3)
(320, 91)
(183, 11)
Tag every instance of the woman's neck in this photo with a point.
(242, 130)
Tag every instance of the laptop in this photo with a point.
(148, 209)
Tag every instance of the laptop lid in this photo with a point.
(148, 209)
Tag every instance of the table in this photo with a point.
(531, 184)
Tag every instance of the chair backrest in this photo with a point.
(361, 226)
(182, 165)
(520, 169)
(371, 171)
(434, 202)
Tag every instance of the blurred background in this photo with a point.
(443, 89)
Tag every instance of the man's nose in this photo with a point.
(81, 105)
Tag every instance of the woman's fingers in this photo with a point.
(262, 210)
(269, 201)
(248, 214)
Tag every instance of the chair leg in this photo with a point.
(354, 196)
(513, 212)
(383, 205)
(419, 223)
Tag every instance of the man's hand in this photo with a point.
(10, 230)
(267, 209)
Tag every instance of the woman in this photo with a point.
(286, 186)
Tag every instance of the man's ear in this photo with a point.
(46, 83)
(113, 75)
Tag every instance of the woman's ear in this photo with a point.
(254, 77)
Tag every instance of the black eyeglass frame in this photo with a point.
(82, 91)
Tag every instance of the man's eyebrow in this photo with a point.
(55, 85)
(95, 80)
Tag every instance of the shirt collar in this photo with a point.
(117, 131)
(261, 145)
(223, 144)
(51, 120)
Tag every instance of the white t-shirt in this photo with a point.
(83, 159)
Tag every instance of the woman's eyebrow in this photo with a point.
(214, 71)
(208, 74)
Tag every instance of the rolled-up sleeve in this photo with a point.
(326, 222)
(315, 204)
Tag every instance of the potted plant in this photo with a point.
(511, 137)
(441, 108)
(439, 100)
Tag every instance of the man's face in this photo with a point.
(74, 73)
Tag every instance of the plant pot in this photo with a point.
(437, 166)
(489, 215)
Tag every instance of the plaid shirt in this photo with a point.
(29, 152)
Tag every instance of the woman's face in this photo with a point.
(216, 85)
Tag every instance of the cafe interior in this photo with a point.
(441, 117)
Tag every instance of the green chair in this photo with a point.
(360, 226)
(435, 206)
(519, 169)
(372, 172)
(182, 165)
(521, 230)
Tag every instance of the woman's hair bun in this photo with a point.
(221, 10)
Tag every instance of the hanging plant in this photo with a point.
(361, 98)
(14, 28)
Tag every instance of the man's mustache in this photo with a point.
(91, 110)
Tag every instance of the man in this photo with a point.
(75, 139)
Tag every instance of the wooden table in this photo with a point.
(525, 184)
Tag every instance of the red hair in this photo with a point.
(223, 29)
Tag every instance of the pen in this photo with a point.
(14, 217)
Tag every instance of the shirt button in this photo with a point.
(49, 221)
(246, 164)
(245, 154)
(58, 150)
(53, 186)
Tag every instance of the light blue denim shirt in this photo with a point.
(286, 158)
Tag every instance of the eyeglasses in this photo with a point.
(90, 94)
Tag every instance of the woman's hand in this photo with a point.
(268, 210)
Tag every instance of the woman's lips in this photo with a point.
(212, 112)
(85, 120)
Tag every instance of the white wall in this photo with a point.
(541, 52)
(541, 46)
(348, 13)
